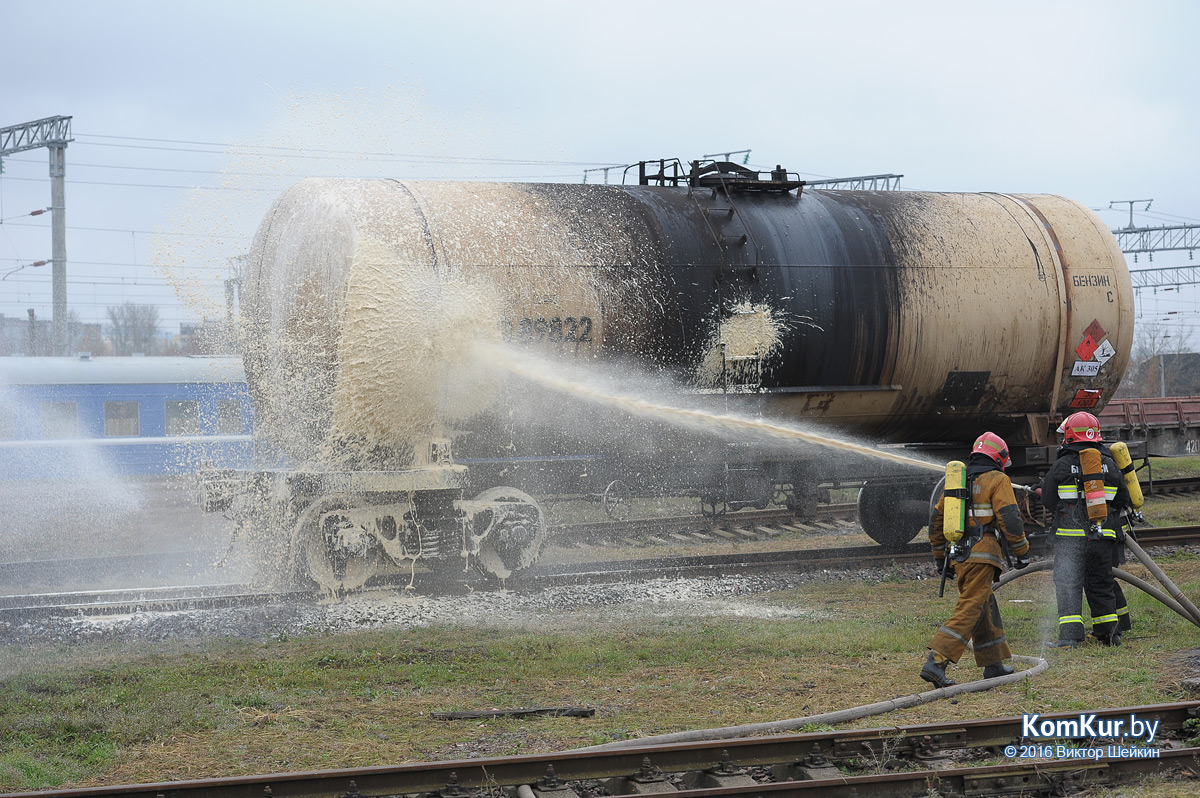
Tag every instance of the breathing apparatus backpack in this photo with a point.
(1090, 485)
(1120, 454)
(956, 510)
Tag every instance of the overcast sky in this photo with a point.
(190, 117)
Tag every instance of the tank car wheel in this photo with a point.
(331, 549)
(892, 515)
(617, 500)
(507, 530)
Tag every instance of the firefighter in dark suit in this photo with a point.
(1124, 619)
(1084, 491)
(993, 522)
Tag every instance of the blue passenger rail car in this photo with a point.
(127, 415)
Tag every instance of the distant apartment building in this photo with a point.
(34, 337)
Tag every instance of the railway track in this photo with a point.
(743, 525)
(1171, 487)
(964, 758)
(23, 608)
(666, 535)
(150, 566)
(794, 560)
(739, 526)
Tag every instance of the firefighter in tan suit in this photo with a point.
(978, 560)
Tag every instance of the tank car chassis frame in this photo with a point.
(341, 528)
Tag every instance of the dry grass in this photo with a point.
(366, 698)
(122, 714)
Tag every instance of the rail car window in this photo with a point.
(8, 425)
(229, 417)
(60, 420)
(183, 417)
(120, 419)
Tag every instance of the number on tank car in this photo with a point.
(556, 330)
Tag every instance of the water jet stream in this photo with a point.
(536, 370)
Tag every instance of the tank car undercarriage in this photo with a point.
(340, 529)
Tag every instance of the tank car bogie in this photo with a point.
(338, 530)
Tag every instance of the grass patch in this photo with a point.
(85, 716)
(120, 713)
(1178, 510)
(1173, 467)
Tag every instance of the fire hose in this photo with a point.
(854, 713)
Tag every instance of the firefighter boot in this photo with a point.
(935, 672)
(994, 671)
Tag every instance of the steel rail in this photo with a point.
(1018, 779)
(147, 596)
(1171, 487)
(739, 519)
(855, 557)
(806, 758)
(46, 606)
(71, 567)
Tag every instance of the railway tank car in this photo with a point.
(916, 318)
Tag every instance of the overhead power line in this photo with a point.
(152, 185)
(115, 282)
(168, 233)
(276, 189)
(181, 267)
(305, 152)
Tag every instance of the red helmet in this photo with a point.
(993, 446)
(1080, 428)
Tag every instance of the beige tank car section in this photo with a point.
(360, 293)
(996, 293)
(998, 298)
